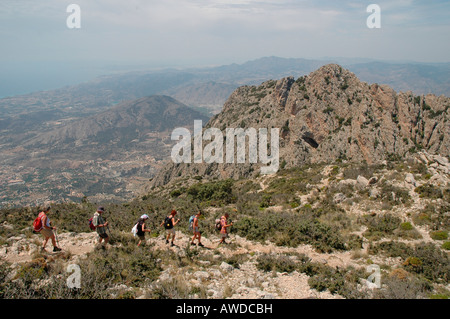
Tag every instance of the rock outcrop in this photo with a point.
(326, 116)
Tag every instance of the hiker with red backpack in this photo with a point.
(43, 225)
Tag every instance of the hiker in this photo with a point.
(141, 230)
(196, 231)
(47, 230)
(169, 223)
(223, 229)
(100, 226)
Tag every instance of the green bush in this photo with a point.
(338, 281)
(429, 191)
(391, 249)
(279, 263)
(434, 264)
(380, 226)
(394, 195)
(220, 191)
(290, 229)
(406, 226)
(446, 245)
(439, 235)
(407, 288)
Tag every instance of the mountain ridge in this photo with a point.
(106, 156)
(325, 116)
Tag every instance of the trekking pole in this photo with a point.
(57, 240)
(109, 230)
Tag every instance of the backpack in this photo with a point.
(218, 225)
(37, 224)
(91, 223)
(168, 222)
(134, 230)
(191, 223)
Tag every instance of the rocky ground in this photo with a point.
(244, 282)
(209, 275)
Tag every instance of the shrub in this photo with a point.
(406, 226)
(379, 226)
(391, 249)
(439, 235)
(290, 229)
(394, 195)
(435, 263)
(429, 191)
(407, 231)
(446, 245)
(405, 288)
(338, 281)
(413, 262)
(175, 193)
(277, 263)
(236, 260)
(220, 191)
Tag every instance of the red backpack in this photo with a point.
(91, 223)
(37, 224)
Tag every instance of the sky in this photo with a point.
(38, 49)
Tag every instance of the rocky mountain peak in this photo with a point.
(330, 115)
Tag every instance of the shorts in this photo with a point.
(141, 237)
(104, 235)
(171, 231)
(196, 230)
(224, 235)
(47, 233)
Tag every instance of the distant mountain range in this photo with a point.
(112, 118)
(210, 87)
(105, 156)
(121, 127)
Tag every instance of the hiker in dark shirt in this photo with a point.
(169, 223)
(141, 229)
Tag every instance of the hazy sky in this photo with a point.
(35, 39)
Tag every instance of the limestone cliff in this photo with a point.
(326, 116)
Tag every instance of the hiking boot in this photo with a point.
(167, 241)
(201, 245)
(192, 244)
(56, 249)
(172, 244)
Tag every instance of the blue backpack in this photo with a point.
(191, 222)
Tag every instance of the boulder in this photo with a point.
(226, 267)
(362, 181)
(339, 198)
(409, 178)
